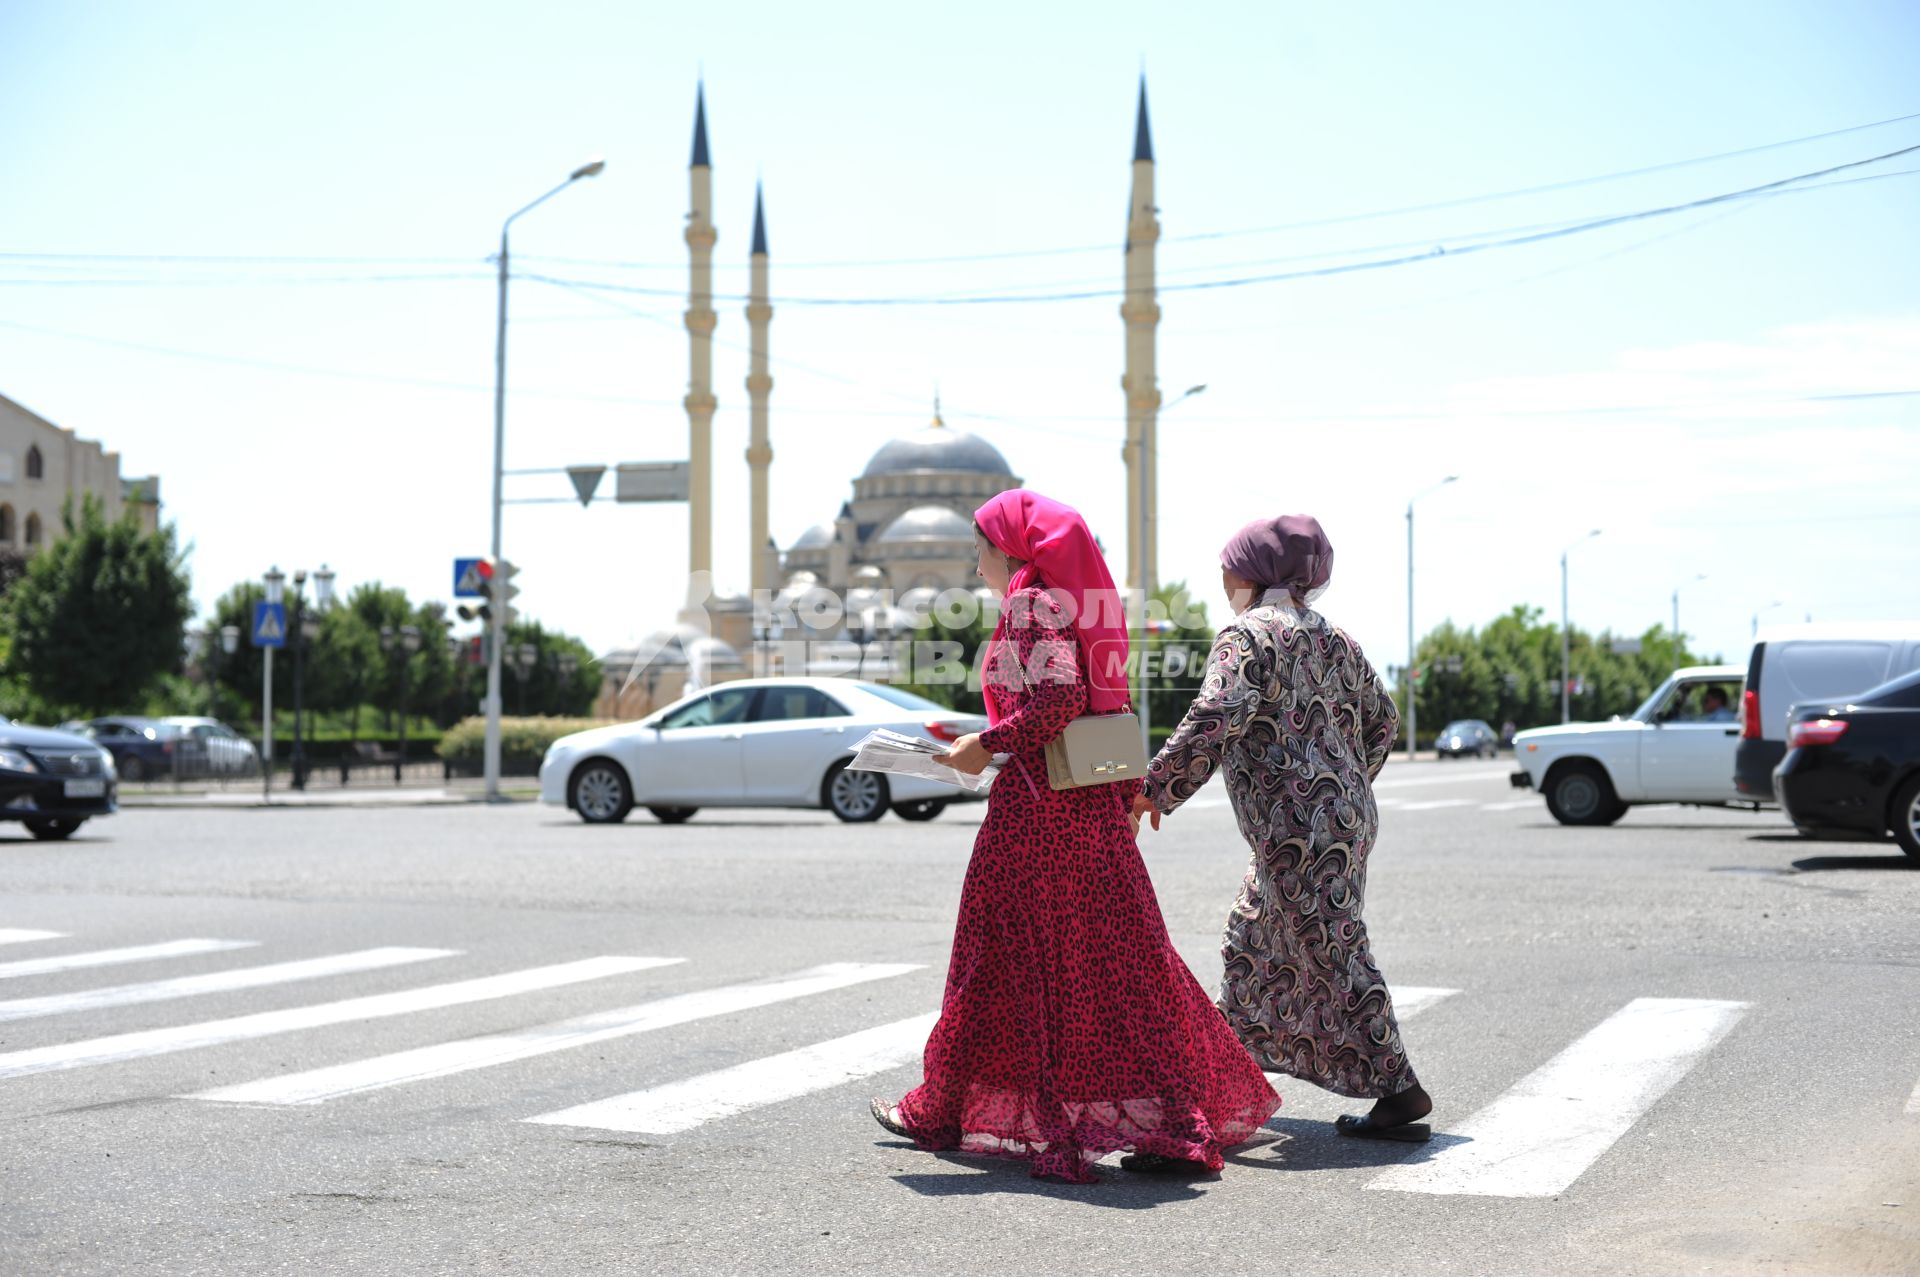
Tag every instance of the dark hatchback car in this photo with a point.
(1855, 767)
(53, 781)
(1469, 736)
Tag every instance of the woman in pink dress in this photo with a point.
(1070, 1028)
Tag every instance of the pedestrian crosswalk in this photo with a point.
(1535, 1139)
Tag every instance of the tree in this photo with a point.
(1176, 652)
(99, 616)
(563, 680)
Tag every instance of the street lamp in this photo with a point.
(498, 623)
(297, 636)
(1763, 611)
(407, 641)
(1566, 634)
(1413, 689)
(276, 583)
(1149, 459)
(1676, 609)
(526, 657)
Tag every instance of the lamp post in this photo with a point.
(1413, 689)
(526, 658)
(276, 583)
(497, 625)
(1763, 611)
(297, 635)
(407, 641)
(1566, 634)
(1150, 458)
(1676, 610)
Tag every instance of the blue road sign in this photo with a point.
(269, 625)
(468, 580)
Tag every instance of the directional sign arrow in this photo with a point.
(585, 480)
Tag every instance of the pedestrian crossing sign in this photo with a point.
(470, 578)
(269, 625)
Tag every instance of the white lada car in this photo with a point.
(1677, 747)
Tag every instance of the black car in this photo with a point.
(1855, 767)
(141, 747)
(53, 781)
(1468, 736)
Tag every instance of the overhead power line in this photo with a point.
(1782, 186)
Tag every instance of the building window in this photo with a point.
(33, 529)
(36, 468)
(6, 525)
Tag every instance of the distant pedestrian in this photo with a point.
(1070, 1027)
(1302, 725)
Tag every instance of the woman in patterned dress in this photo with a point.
(1302, 725)
(1070, 1027)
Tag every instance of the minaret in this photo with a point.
(1141, 313)
(759, 387)
(700, 324)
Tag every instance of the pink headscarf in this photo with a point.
(1061, 557)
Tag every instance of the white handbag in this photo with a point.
(1097, 749)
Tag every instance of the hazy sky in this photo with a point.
(1691, 384)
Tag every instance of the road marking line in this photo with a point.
(1452, 777)
(15, 935)
(184, 1037)
(1436, 804)
(1514, 805)
(316, 1086)
(188, 986)
(108, 957)
(1411, 1000)
(1542, 1134)
(681, 1106)
(1913, 1101)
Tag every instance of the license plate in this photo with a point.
(86, 789)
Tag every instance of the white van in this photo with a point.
(1824, 661)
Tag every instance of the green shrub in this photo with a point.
(523, 742)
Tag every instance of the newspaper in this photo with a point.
(885, 751)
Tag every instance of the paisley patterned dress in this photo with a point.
(1070, 1027)
(1302, 725)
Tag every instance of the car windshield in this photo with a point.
(905, 700)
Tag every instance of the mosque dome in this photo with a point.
(936, 447)
(817, 537)
(928, 523)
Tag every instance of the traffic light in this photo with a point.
(501, 589)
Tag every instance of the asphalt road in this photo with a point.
(1687, 1043)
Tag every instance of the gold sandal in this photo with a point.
(888, 1115)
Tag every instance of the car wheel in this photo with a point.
(1906, 817)
(133, 769)
(673, 815)
(53, 830)
(855, 797)
(600, 792)
(925, 809)
(1581, 794)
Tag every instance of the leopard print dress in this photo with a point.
(1070, 1028)
(1298, 718)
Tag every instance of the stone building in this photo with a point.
(43, 466)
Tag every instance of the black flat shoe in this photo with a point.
(886, 1113)
(1362, 1127)
(1160, 1164)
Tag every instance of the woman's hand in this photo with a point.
(1143, 806)
(968, 755)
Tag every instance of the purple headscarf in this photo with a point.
(1289, 551)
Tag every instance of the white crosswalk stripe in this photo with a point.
(1913, 1101)
(111, 957)
(183, 1037)
(16, 935)
(1542, 1134)
(1511, 805)
(1410, 1000)
(681, 1106)
(316, 1086)
(215, 982)
(1436, 804)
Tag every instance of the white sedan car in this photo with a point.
(764, 742)
(1677, 747)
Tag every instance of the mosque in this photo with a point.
(907, 529)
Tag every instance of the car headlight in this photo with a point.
(16, 761)
(106, 766)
